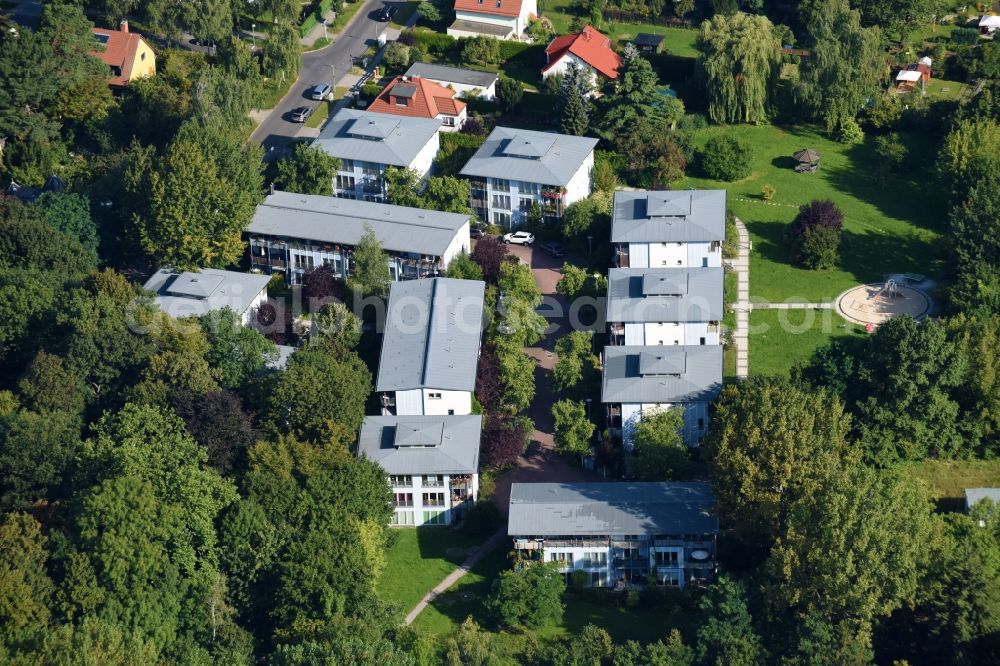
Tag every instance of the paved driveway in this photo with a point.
(541, 462)
(276, 131)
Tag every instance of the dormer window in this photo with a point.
(401, 101)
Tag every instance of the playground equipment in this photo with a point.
(874, 304)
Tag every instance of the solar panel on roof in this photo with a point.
(662, 363)
(647, 39)
(101, 39)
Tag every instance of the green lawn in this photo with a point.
(418, 560)
(678, 41)
(946, 480)
(467, 596)
(781, 339)
(891, 224)
(320, 115)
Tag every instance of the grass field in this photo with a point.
(781, 339)
(678, 41)
(467, 596)
(891, 224)
(418, 560)
(946, 480)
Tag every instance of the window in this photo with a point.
(345, 182)
(704, 262)
(398, 481)
(402, 499)
(348, 165)
(701, 341)
(401, 101)
(501, 201)
(303, 261)
(598, 579)
(432, 481)
(142, 56)
(448, 121)
(501, 185)
(451, 412)
(435, 518)
(565, 558)
(663, 262)
(502, 219)
(701, 424)
(597, 559)
(680, 263)
(433, 396)
(666, 558)
(524, 205)
(402, 518)
(433, 499)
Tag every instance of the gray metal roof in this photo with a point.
(661, 374)
(665, 294)
(483, 28)
(533, 157)
(198, 293)
(381, 138)
(445, 74)
(669, 216)
(432, 333)
(975, 495)
(342, 221)
(611, 509)
(455, 451)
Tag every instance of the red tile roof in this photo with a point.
(119, 52)
(588, 45)
(496, 7)
(428, 99)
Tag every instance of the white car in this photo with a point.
(519, 238)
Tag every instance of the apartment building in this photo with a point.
(196, 293)
(669, 229)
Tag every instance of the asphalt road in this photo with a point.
(277, 130)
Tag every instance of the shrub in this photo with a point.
(965, 36)
(850, 132)
(885, 113)
(509, 93)
(692, 121)
(815, 235)
(726, 158)
(891, 152)
(767, 192)
(579, 580)
(481, 51)
(396, 57)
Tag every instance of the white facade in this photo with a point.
(516, 24)
(597, 560)
(562, 64)
(357, 179)
(451, 123)
(433, 402)
(431, 499)
(489, 93)
(671, 333)
(508, 202)
(258, 300)
(675, 255)
(695, 420)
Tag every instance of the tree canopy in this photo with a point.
(739, 60)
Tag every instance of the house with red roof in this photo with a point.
(127, 54)
(588, 49)
(421, 98)
(502, 19)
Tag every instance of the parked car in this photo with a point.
(519, 238)
(553, 248)
(301, 114)
(320, 91)
(386, 13)
(477, 232)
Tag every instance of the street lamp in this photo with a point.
(325, 35)
(333, 79)
(589, 246)
(253, 36)
(589, 400)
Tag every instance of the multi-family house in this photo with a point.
(619, 534)
(466, 82)
(500, 19)
(432, 464)
(588, 50)
(414, 97)
(127, 55)
(640, 379)
(664, 306)
(295, 233)
(515, 170)
(368, 143)
(669, 229)
(194, 294)
(430, 347)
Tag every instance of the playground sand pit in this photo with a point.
(878, 303)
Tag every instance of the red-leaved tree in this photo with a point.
(503, 440)
(489, 253)
(816, 234)
(489, 387)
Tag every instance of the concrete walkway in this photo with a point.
(794, 306)
(742, 306)
(470, 561)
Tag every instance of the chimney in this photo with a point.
(123, 26)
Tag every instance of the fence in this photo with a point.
(636, 17)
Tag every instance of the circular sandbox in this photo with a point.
(878, 303)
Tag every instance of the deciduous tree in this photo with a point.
(235, 351)
(489, 253)
(503, 440)
(530, 597)
(661, 454)
(307, 170)
(370, 274)
(571, 428)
